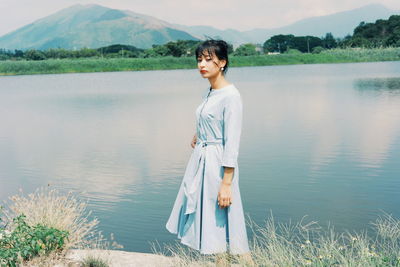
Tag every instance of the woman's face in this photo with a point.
(209, 66)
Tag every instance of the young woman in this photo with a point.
(207, 214)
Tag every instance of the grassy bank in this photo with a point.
(305, 244)
(34, 240)
(165, 63)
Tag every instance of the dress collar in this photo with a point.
(223, 89)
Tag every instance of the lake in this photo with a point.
(319, 140)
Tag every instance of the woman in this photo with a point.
(207, 214)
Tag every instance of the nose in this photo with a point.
(202, 63)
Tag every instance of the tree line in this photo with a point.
(382, 33)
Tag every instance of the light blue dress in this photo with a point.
(196, 216)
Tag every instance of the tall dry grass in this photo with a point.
(68, 212)
(307, 244)
(49, 207)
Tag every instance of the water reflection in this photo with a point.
(389, 85)
(328, 136)
(378, 120)
(106, 143)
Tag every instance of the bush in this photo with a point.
(246, 50)
(25, 242)
(42, 226)
(50, 208)
(293, 51)
(317, 49)
(92, 261)
(34, 54)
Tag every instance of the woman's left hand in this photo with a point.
(224, 195)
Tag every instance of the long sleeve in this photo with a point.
(232, 130)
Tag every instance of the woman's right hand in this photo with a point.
(194, 140)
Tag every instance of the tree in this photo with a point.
(278, 43)
(58, 53)
(380, 33)
(305, 43)
(157, 51)
(329, 41)
(282, 43)
(33, 54)
(18, 53)
(246, 50)
(176, 49)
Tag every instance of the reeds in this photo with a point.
(51, 208)
(309, 244)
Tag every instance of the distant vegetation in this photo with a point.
(180, 48)
(382, 33)
(293, 56)
(379, 41)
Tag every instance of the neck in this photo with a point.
(217, 81)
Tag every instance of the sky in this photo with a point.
(222, 14)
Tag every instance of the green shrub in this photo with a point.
(92, 261)
(25, 242)
(293, 51)
(317, 49)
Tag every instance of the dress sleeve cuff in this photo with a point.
(229, 163)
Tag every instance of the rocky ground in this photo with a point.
(117, 258)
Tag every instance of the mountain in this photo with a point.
(92, 26)
(96, 26)
(339, 24)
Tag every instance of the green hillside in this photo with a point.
(92, 26)
(381, 33)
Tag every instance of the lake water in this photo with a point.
(317, 140)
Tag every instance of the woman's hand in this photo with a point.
(194, 141)
(224, 195)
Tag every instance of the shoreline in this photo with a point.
(117, 258)
(89, 65)
(121, 258)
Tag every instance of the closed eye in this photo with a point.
(199, 59)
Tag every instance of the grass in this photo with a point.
(308, 244)
(302, 244)
(93, 261)
(65, 212)
(52, 66)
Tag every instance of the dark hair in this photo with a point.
(217, 47)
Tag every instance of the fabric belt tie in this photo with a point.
(193, 178)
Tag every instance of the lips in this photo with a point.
(203, 71)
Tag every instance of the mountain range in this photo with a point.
(95, 26)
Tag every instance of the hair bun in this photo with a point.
(222, 42)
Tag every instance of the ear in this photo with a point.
(222, 63)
